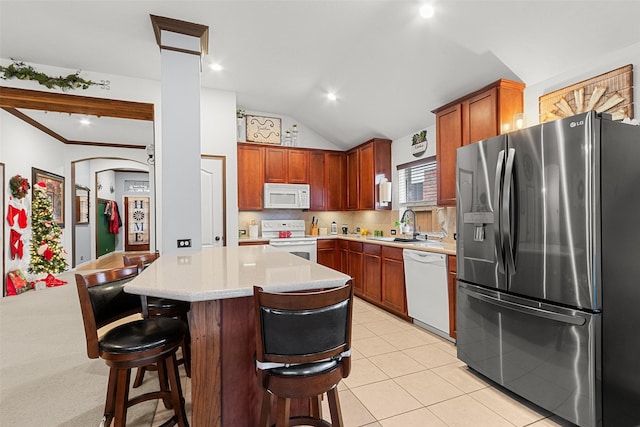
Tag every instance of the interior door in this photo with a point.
(105, 241)
(212, 177)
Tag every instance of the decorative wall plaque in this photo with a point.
(610, 92)
(263, 129)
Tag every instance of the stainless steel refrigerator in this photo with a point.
(548, 298)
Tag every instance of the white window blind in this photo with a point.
(418, 185)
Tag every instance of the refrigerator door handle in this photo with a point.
(506, 214)
(496, 210)
(538, 312)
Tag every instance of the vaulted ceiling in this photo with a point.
(388, 66)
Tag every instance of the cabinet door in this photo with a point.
(297, 166)
(367, 198)
(327, 253)
(275, 165)
(372, 272)
(343, 249)
(448, 140)
(481, 117)
(394, 295)
(353, 180)
(335, 177)
(250, 177)
(451, 285)
(318, 201)
(355, 266)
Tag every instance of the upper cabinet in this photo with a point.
(366, 165)
(327, 180)
(482, 114)
(287, 166)
(250, 177)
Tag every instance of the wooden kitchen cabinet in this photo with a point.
(250, 177)
(394, 294)
(253, 243)
(452, 286)
(343, 249)
(286, 165)
(328, 254)
(372, 286)
(355, 266)
(482, 114)
(367, 164)
(327, 180)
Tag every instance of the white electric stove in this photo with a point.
(289, 235)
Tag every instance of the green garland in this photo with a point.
(21, 71)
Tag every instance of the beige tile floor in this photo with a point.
(404, 376)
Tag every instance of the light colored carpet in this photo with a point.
(46, 378)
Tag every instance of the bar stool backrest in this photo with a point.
(103, 301)
(144, 259)
(303, 327)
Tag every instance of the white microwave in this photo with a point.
(286, 196)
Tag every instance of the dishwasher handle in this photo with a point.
(423, 257)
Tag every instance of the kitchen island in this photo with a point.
(219, 284)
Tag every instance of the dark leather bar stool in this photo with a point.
(161, 307)
(130, 345)
(303, 350)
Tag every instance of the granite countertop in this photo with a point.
(447, 248)
(231, 272)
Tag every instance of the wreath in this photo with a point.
(19, 186)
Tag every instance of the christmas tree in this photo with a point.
(47, 255)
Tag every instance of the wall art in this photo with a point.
(266, 130)
(55, 192)
(610, 92)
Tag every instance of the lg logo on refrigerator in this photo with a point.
(574, 124)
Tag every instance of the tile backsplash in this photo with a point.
(428, 219)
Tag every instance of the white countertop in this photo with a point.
(231, 272)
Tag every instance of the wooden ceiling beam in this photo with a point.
(75, 104)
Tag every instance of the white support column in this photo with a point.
(178, 153)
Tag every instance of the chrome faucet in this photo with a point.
(407, 212)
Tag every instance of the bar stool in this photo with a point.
(161, 307)
(303, 350)
(130, 345)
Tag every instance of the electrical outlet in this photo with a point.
(393, 232)
(184, 243)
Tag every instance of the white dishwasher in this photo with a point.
(427, 296)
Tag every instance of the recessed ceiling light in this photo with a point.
(426, 11)
(332, 96)
(215, 66)
(85, 121)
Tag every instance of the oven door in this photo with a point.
(307, 249)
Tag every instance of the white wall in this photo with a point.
(590, 68)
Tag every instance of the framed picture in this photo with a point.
(55, 192)
(82, 204)
(266, 130)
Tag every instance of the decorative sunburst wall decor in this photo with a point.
(610, 92)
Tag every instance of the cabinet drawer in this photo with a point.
(392, 253)
(326, 244)
(355, 246)
(371, 249)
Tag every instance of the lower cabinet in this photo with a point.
(355, 266)
(372, 272)
(327, 253)
(377, 271)
(394, 294)
(253, 243)
(451, 284)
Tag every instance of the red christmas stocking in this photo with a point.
(22, 216)
(16, 244)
